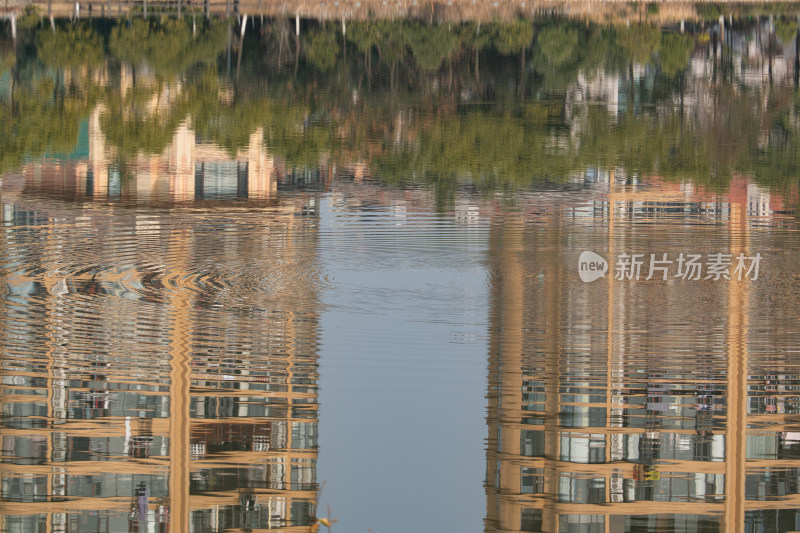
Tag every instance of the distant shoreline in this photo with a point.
(619, 11)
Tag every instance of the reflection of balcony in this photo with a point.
(591, 428)
(113, 426)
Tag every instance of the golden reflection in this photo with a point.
(139, 392)
(618, 405)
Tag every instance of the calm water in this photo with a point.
(246, 283)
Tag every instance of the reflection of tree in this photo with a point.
(563, 49)
(558, 45)
(130, 124)
(431, 45)
(639, 42)
(322, 47)
(429, 132)
(70, 47)
(168, 46)
(39, 119)
(676, 49)
(7, 61)
(786, 29)
(492, 149)
(513, 37)
(775, 160)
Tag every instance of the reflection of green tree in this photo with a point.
(558, 44)
(289, 128)
(676, 49)
(504, 144)
(775, 160)
(30, 18)
(476, 36)
(512, 37)
(168, 46)
(639, 42)
(785, 30)
(133, 128)
(322, 47)
(492, 150)
(666, 146)
(564, 49)
(431, 45)
(70, 47)
(7, 61)
(387, 37)
(38, 119)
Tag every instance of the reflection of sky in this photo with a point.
(403, 381)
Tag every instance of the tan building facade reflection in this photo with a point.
(623, 405)
(141, 392)
(188, 170)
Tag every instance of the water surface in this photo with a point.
(247, 282)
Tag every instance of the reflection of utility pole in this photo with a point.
(736, 430)
(230, 38)
(241, 46)
(179, 398)
(797, 54)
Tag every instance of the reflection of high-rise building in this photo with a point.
(187, 170)
(620, 405)
(159, 367)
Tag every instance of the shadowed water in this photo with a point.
(250, 282)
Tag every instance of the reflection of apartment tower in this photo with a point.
(608, 410)
(140, 391)
(188, 170)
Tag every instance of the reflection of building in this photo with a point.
(629, 406)
(159, 368)
(188, 170)
(750, 56)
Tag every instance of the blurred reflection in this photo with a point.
(159, 367)
(159, 286)
(641, 405)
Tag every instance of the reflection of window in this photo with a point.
(533, 395)
(303, 474)
(278, 435)
(531, 520)
(761, 404)
(581, 523)
(275, 473)
(532, 480)
(771, 483)
(577, 488)
(580, 416)
(24, 489)
(24, 450)
(25, 523)
(674, 522)
(304, 435)
(583, 448)
(301, 512)
(197, 450)
(532, 443)
(260, 443)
